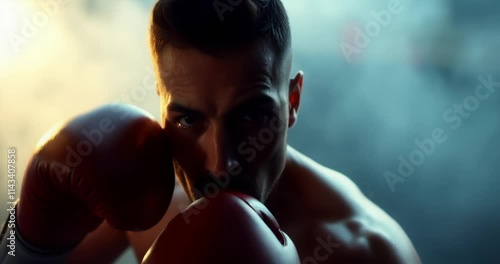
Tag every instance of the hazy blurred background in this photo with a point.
(359, 112)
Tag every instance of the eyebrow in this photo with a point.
(176, 107)
(254, 101)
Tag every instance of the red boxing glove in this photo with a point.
(230, 228)
(112, 163)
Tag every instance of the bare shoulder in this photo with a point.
(332, 221)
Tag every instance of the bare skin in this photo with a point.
(313, 203)
(206, 112)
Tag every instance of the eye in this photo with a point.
(186, 121)
(257, 115)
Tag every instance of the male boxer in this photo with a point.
(227, 102)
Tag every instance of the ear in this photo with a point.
(295, 91)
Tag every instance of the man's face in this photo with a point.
(226, 116)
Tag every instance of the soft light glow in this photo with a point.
(11, 17)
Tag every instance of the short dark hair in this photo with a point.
(215, 26)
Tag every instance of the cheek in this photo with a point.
(277, 154)
(184, 152)
(273, 141)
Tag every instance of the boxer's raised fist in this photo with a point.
(229, 228)
(111, 163)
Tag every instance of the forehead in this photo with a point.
(216, 85)
(182, 66)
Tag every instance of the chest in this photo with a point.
(327, 242)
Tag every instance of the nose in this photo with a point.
(217, 148)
